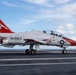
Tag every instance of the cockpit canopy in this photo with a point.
(55, 33)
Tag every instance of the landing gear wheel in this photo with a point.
(33, 52)
(64, 51)
(27, 51)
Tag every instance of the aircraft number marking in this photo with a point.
(16, 38)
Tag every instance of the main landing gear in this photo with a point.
(64, 51)
(30, 50)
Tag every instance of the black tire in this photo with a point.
(27, 51)
(33, 52)
(64, 51)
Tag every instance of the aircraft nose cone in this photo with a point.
(72, 42)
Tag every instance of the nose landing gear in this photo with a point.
(64, 51)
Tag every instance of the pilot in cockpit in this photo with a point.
(52, 33)
(56, 34)
(44, 31)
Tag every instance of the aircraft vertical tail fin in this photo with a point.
(4, 28)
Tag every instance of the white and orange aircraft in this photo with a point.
(9, 38)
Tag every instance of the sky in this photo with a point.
(28, 15)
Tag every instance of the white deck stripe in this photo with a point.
(19, 59)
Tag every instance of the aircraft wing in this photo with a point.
(43, 41)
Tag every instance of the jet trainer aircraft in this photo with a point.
(9, 38)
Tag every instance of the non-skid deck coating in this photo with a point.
(43, 63)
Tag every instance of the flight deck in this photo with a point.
(45, 62)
